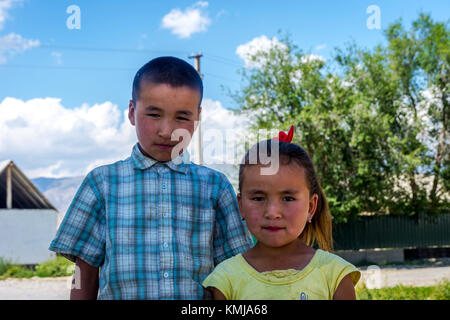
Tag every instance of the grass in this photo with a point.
(58, 267)
(400, 292)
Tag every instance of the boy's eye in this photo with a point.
(257, 198)
(288, 198)
(153, 115)
(183, 118)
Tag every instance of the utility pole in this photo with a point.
(199, 127)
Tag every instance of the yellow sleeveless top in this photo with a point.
(238, 280)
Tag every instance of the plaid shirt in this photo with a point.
(155, 229)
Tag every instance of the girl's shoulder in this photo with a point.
(336, 267)
(231, 264)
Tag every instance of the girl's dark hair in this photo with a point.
(320, 229)
(167, 70)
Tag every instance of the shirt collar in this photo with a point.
(143, 162)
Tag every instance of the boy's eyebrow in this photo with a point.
(153, 108)
(185, 112)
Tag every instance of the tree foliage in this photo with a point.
(375, 122)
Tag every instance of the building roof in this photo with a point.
(25, 195)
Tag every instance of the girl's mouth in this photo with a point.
(272, 229)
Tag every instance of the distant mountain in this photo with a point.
(60, 191)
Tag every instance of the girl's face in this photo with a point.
(276, 207)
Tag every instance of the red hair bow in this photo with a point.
(286, 137)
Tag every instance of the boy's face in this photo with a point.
(159, 111)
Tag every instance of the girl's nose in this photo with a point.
(272, 210)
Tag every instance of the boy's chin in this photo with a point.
(162, 156)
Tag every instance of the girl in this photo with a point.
(287, 213)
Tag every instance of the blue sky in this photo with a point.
(41, 58)
(98, 74)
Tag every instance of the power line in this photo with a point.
(119, 50)
(65, 67)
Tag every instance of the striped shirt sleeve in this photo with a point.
(82, 231)
(230, 235)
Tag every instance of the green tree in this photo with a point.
(366, 117)
(420, 58)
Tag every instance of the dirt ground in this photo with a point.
(425, 274)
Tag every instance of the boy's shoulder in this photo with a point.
(107, 173)
(203, 171)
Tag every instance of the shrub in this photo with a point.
(59, 267)
(400, 292)
(4, 265)
(16, 271)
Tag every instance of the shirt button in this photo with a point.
(164, 186)
(166, 275)
(165, 244)
(166, 215)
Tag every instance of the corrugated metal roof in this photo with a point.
(25, 195)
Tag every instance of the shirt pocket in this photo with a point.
(194, 230)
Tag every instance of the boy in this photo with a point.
(154, 226)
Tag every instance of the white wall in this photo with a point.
(25, 235)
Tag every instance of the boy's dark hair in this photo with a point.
(167, 70)
(320, 229)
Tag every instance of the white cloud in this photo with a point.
(321, 47)
(223, 132)
(5, 5)
(185, 23)
(58, 57)
(307, 58)
(13, 43)
(257, 45)
(47, 139)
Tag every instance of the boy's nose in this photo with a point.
(165, 130)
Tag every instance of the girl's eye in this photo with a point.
(288, 198)
(258, 198)
(153, 115)
(183, 119)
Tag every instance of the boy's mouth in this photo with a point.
(164, 146)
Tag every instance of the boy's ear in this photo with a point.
(197, 121)
(131, 110)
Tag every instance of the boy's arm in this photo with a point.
(231, 235)
(85, 282)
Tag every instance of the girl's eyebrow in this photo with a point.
(255, 191)
(290, 191)
(287, 191)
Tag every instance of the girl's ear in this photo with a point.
(312, 206)
(239, 199)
